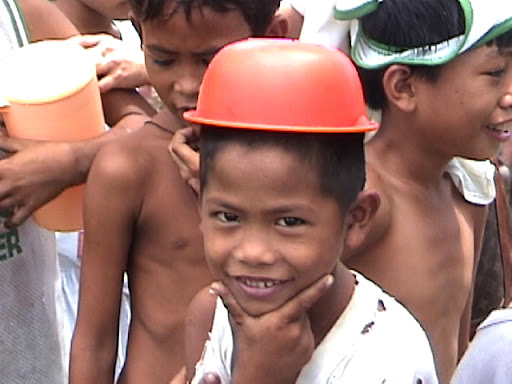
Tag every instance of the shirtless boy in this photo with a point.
(139, 214)
(280, 198)
(426, 237)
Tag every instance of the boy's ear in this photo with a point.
(399, 86)
(360, 217)
(279, 26)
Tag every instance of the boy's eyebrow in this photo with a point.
(221, 203)
(280, 210)
(205, 52)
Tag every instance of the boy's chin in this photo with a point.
(257, 309)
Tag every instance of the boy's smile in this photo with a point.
(178, 50)
(269, 232)
(471, 103)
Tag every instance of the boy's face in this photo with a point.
(268, 230)
(177, 51)
(469, 106)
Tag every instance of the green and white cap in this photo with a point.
(484, 21)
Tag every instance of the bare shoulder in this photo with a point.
(120, 164)
(45, 21)
(198, 324)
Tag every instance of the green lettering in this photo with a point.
(3, 248)
(13, 243)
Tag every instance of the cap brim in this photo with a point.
(364, 125)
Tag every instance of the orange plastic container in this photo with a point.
(51, 93)
(282, 85)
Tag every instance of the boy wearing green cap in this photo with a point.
(442, 77)
(281, 197)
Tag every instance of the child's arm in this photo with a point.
(38, 171)
(45, 21)
(112, 200)
(198, 324)
(122, 104)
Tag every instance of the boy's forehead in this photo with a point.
(203, 30)
(197, 15)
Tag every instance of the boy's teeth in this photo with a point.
(502, 128)
(260, 284)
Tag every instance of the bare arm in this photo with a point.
(126, 106)
(111, 202)
(198, 323)
(45, 21)
(36, 172)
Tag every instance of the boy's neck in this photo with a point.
(327, 310)
(85, 19)
(167, 121)
(396, 150)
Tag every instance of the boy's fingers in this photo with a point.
(182, 152)
(298, 305)
(210, 378)
(106, 84)
(229, 301)
(19, 216)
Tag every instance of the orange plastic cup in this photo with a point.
(51, 93)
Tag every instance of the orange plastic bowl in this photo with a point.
(282, 85)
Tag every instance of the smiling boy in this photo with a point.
(281, 196)
(442, 77)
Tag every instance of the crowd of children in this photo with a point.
(303, 252)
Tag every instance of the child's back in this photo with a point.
(426, 237)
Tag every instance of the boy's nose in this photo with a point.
(254, 251)
(506, 99)
(187, 86)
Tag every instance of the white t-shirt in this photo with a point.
(488, 360)
(374, 341)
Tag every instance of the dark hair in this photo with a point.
(257, 13)
(406, 24)
(338, 158)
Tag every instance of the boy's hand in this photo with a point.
(118, 65)
(35, 173)
(183, 148)
(274, 347)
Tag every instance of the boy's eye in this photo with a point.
(163, 63)
(496, 73)
(226, 217)
(207, 59)
(290, 221)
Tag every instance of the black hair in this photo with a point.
(407, 24)
(257, 13)
(338, 158)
